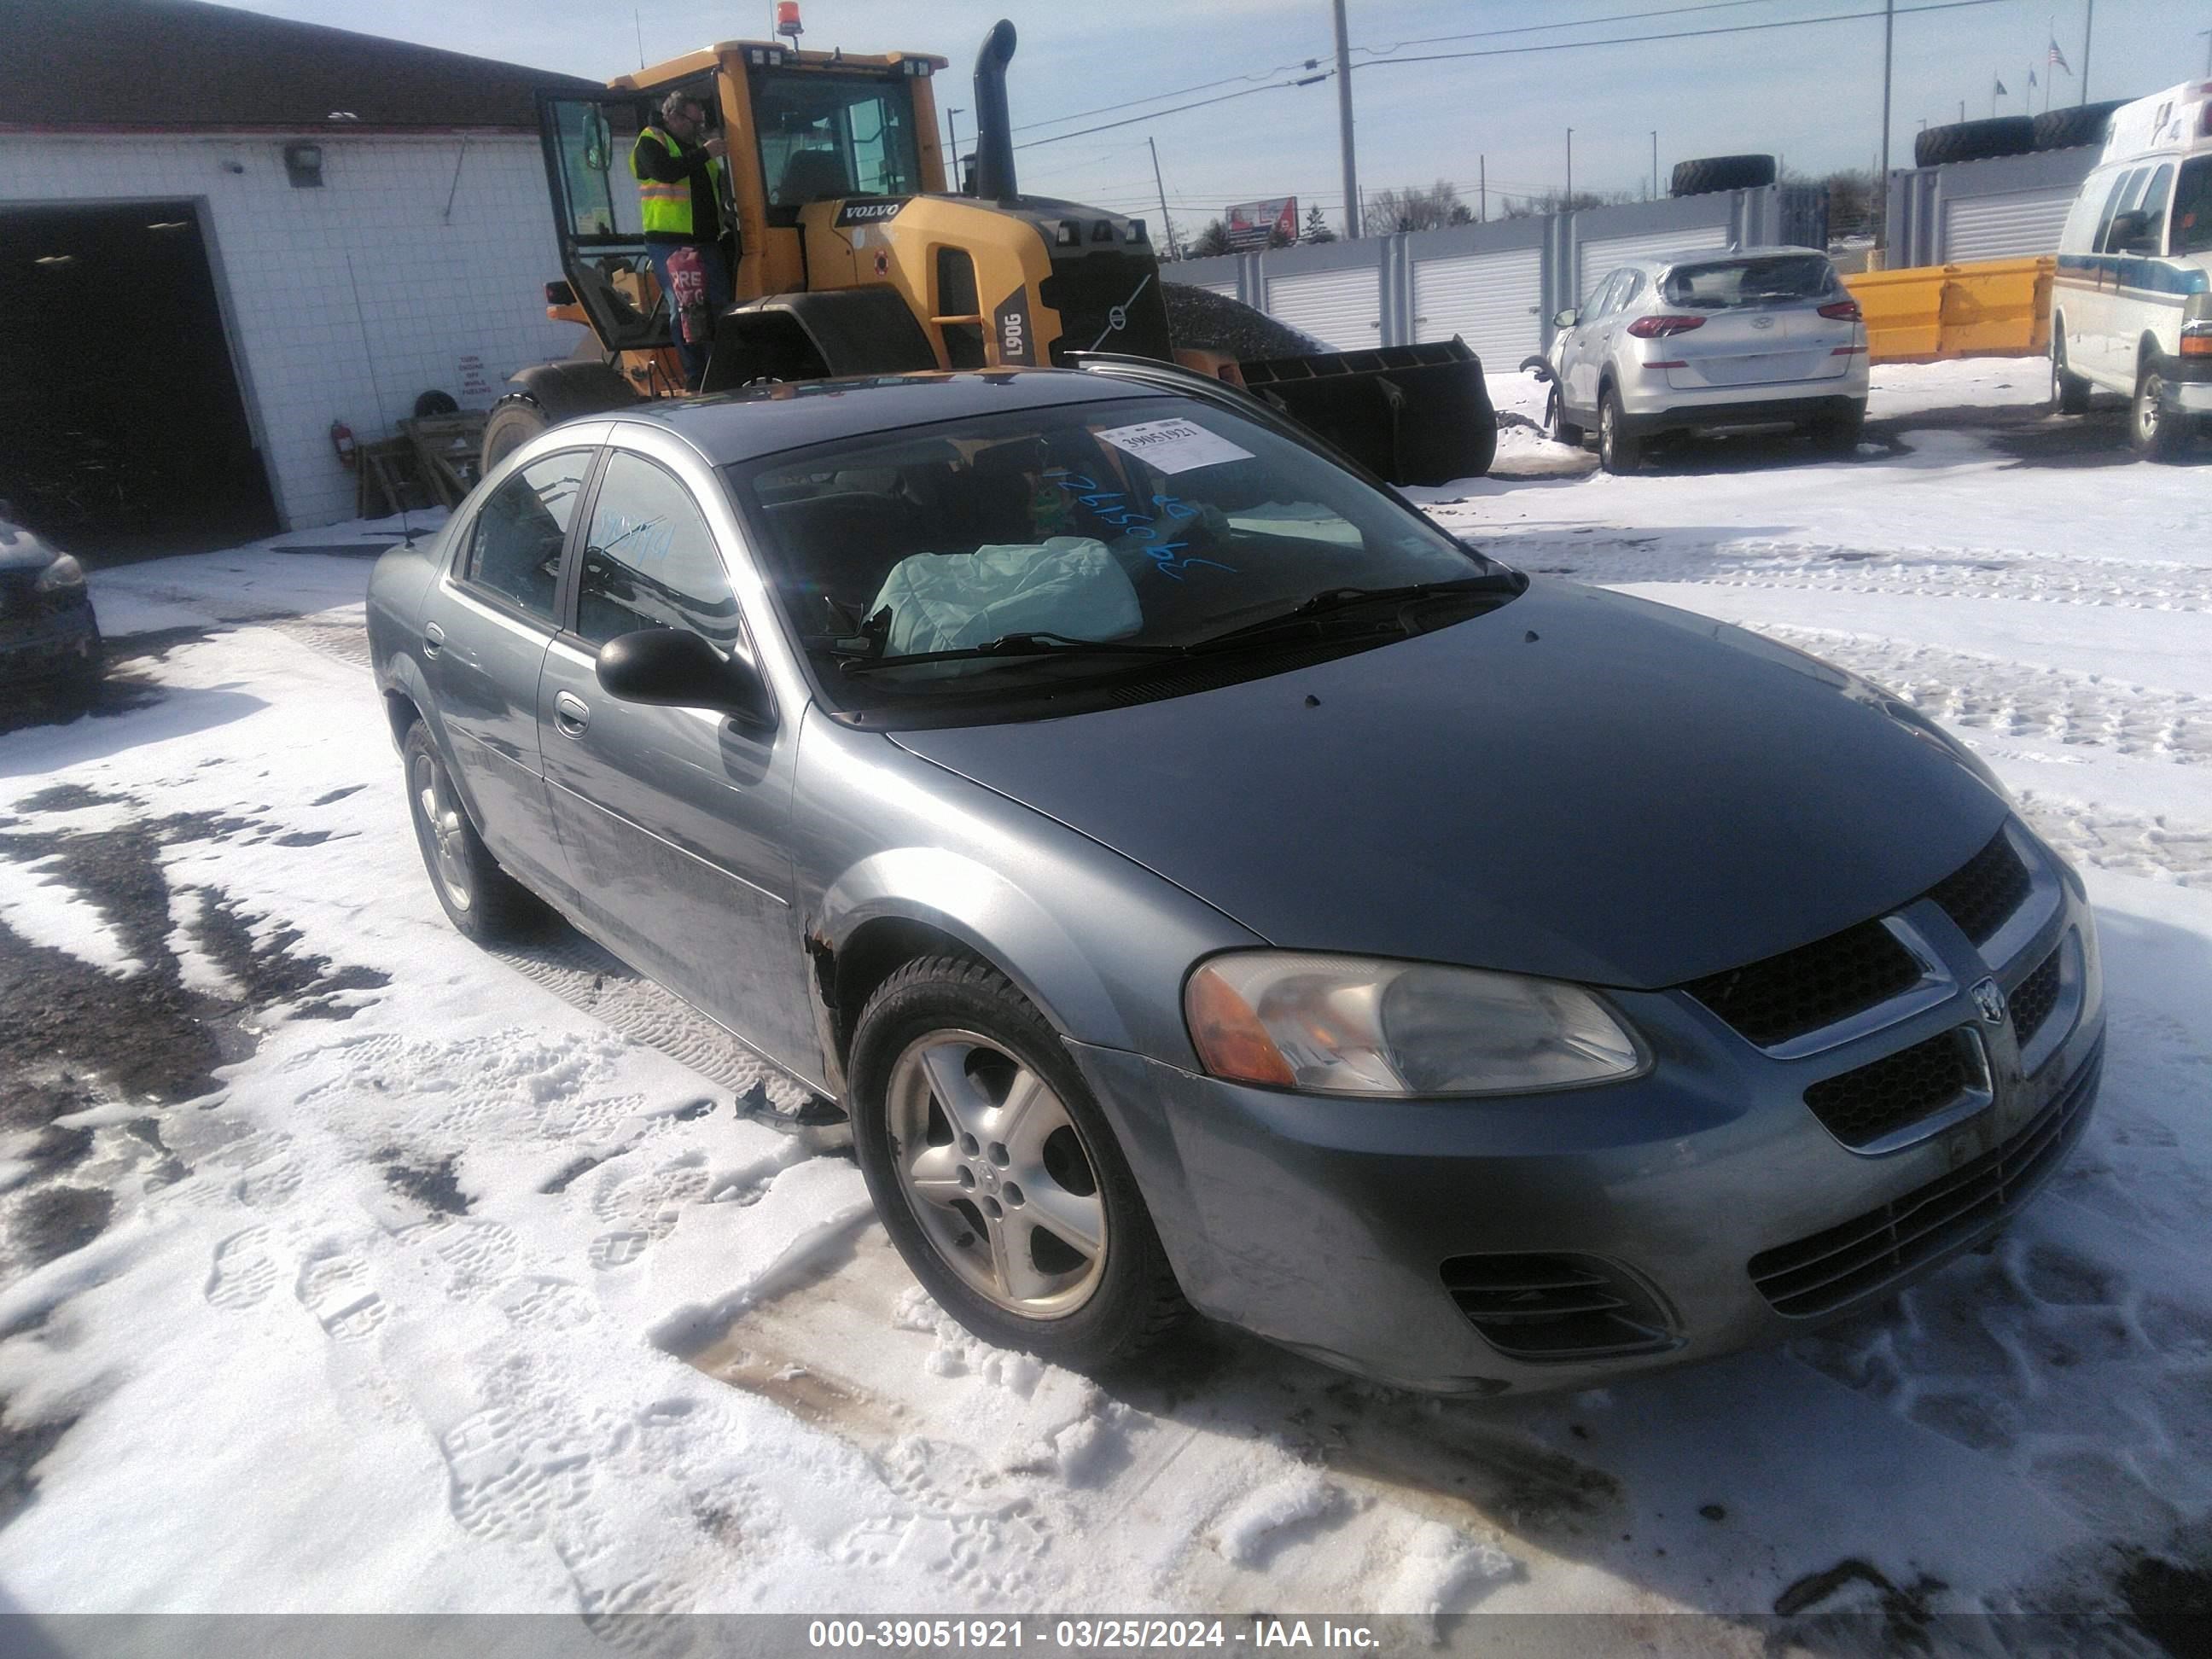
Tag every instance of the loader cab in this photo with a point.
(800, 126)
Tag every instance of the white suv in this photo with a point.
(2131, 302)
(1709, 342)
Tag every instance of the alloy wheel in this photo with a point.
(439, 813)
(996, 1172)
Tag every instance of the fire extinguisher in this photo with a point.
(342, 440)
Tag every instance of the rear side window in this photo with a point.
(514, 546)
(1723, 284)
(650, 560)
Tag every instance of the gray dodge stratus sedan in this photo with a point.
(1207, 885)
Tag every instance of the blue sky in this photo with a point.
(1811, 94)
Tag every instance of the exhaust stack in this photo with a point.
(995, 142)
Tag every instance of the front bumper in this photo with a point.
(1726, 408)
(42, 641)
(1341, 1228)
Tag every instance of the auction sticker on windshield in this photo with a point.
(1173, 446)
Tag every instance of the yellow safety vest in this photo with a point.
(666, 209)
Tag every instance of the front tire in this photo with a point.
(2157, 434)
(1618, 449)
(480, 899)
(996, 1174)
(1564, 431)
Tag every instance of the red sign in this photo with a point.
(1254, 224)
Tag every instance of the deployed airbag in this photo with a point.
(1069, 585)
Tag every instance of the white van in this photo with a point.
(2131, 303)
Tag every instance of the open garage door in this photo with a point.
(122, 428)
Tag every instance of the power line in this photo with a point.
(1203, 86)
(1678, 34)
(1579, 22)
(1108, 126)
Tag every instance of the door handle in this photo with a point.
(570, 712)
(434, 639)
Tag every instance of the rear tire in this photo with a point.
(1837, 436)
(480, 899)
(2156, 432)
(1041, 1242)
(2070, 392)
(514, 420)
(1619, 448)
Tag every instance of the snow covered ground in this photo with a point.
(346, 1267)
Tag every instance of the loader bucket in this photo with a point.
(1413, 415)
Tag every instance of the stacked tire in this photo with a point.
(2079, 124)
(1974, 141)
(1713, 172)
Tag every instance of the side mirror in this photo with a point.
(674, 667)
(1566, 318)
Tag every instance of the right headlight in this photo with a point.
(1359, 1025)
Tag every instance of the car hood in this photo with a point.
(1578, 784)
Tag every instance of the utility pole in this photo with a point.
(1351, 215)
(2088, 33)
(1568, 206)
(1166, 223)
(952, 148)
(1655, 164)
(1482, 190)
(2207, 33)
(1880, 202)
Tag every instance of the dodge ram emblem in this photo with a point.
(1991, 1001)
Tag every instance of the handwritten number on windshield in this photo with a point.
(1112, 506)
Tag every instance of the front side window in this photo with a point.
(825, 135)
(1733, 284)
(1607, 297)
(514, 546)
(650, 560)
(2114, 205)
(2192, 208)
(1157, 523)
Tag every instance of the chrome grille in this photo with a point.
(1815, 985)
(1863, 1105)
(1822, 1272)
(1981, 894)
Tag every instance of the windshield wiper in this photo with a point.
(1015, 644)
(1332, 599)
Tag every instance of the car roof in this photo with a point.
(1706, 256)
(727, 427)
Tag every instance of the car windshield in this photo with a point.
(1726, 284)
(1067, 542)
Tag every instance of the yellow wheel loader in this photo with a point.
(851, 255)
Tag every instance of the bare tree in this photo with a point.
(1553, 200)
(1414, 209)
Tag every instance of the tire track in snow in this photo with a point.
(2020, 700)
(1660, 557)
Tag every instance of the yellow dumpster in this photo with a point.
(1994, 308)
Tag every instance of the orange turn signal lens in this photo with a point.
(1230, 1040)
(2196, 345)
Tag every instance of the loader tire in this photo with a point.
(514, 420)
(2079, 124)
(1712, 173)
(1974, 141)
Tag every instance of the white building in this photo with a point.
(221, 232)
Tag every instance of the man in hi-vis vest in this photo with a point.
(679, 179)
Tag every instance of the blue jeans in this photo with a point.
(694, 358)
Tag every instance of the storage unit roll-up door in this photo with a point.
(1491, 300)
(1343, 308)
(2013, 226)
(1603, 254)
